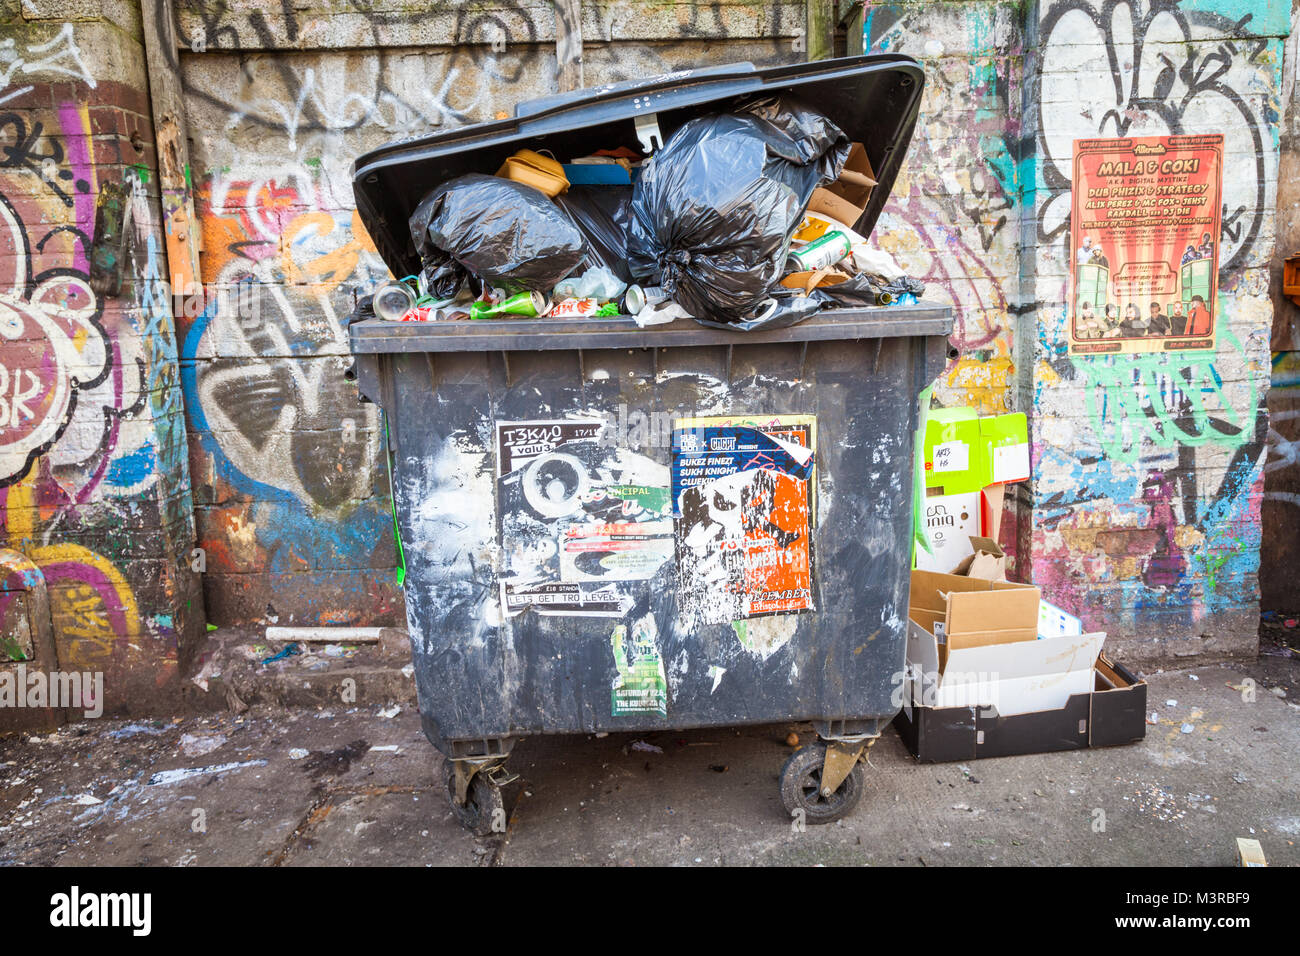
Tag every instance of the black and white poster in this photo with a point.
(583, 526)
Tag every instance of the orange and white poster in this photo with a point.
(1144, 244)
(743, 498)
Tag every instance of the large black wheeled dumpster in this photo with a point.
(614, 528)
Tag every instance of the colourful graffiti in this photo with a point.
(1148, 471)
(952, 218)
(93, 485)
(262, 368)
(1148, 503)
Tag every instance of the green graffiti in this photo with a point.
(1213, 562)
(1163, 400)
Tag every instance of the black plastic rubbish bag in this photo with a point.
(857, 291)
(714, 210)
(363, 310)
(784, 308)
(604, 214)
(509, 235)
(905, 285)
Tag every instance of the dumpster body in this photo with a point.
(615, 528)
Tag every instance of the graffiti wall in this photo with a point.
(1280, 545)
(1146, 507)
(954, 215)
(1144, 515)
(290, 483)
(93, 476)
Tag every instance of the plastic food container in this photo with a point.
(537, 170)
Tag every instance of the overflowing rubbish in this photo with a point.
(741, 220)
(535, 169)
(507, 234)
(600, 284)
(527, 304)
(392, 300)
(714, 211)
(826, 251)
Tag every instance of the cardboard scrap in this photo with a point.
(1250, 853)
(987, 560)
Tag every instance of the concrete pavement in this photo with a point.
(336, 786)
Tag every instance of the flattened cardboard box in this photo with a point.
(1015, 678)
(971, 692)
(1112, 713)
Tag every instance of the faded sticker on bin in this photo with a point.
(583, 529)
(640, 685)
(744, 496)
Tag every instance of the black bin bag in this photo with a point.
(714, 210)
(604, 214)
(509, 235)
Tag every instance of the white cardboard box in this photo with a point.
(1016, 678)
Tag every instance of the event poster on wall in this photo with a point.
(1144, 244)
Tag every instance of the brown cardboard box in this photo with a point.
(974, 612)
(988, 561)
(845, 200)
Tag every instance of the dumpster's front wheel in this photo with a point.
(801, 787)
(483, 812)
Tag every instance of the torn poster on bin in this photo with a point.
(640, 685)
(743, 493)
(518, 443)
(583, 527)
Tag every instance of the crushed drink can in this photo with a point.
(826, 251)
(633, 300)
(637, 298)
(527, 304)
(574, 308)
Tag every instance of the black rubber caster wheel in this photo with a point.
(801, 787)
(483, 807)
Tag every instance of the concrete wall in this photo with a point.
(93, 480)
(291, 501)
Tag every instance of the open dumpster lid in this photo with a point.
(874, 99)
